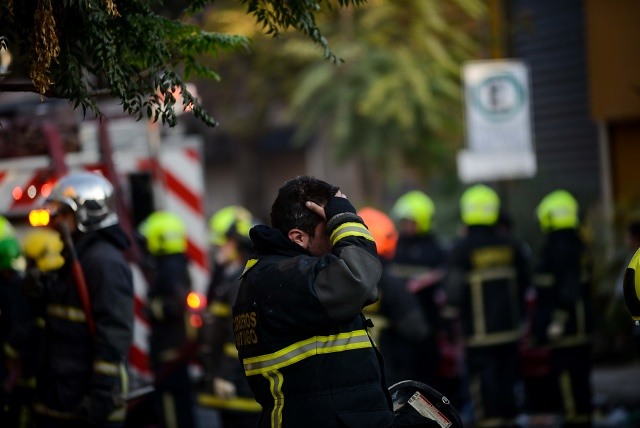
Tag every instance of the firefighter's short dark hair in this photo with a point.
(289, 210)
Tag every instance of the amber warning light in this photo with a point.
(39, 217)
(196, 303)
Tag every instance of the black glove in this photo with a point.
(339, 210)
(96, 407)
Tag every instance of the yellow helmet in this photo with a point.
(558, 210)
(165, 233)
(631, 286)
(479, 206)
(223, 220)
(417, 206)
(44, 246)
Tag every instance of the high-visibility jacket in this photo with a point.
(488, 274)
(300, 333)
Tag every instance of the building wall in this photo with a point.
(550, 36)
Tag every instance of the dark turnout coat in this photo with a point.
(84, 375)
(301, 337)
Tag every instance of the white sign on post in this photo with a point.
(498, 122)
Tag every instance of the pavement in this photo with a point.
(616, 394)
(616, 386)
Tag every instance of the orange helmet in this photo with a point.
(383, 230)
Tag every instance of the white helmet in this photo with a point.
(90, 196)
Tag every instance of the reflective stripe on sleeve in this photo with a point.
(544, 280)
(106, 368)
(350, 229)
(358, 339)
(70, 313)
(244, 404)
(220, 309)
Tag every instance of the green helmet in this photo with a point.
(230, 219)
(9, 245)
(417, 206)
(165, 233)
(479, 206)
(558, 210)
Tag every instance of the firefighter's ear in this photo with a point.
(299, 237)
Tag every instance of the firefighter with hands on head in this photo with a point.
(300, 333)
(486, 280)
(232, 396)
(399, 324)
(88, 309)
(419, 260)
(171, 334)
(562, 317)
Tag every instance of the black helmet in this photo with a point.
(417, 405)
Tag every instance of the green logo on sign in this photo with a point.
(499, 97)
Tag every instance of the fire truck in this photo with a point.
(150, 167)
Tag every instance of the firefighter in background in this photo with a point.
(399, 324)
(171, 333)
(88, 309)
(419, 261)
(486, 280)
(41, 248)
(232, 396)
(562, 318)
(219, 223)
(16, 330)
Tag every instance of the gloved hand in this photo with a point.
(96, 407)
(223, 388)
(556, 327)
(555, 330)
(338, 204)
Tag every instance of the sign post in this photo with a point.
(498, 122)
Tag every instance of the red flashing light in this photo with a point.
(17, 193)
(195, 320)
(45, 189)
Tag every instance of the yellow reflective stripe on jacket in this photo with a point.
(350, 229)
(477, 280)
(42, 409)
(490, 339)
(299, 351)
(492, 274)
(220, 309)
(244, 404)
(70, 313)
(250, 263)
(544, 280)
(106, 368)
(10, 351)
(408, 271)
(276, 379)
